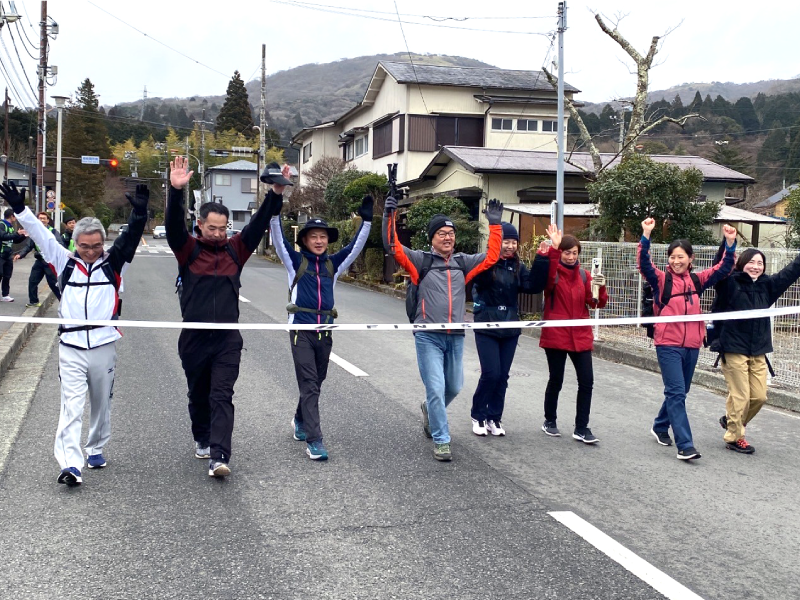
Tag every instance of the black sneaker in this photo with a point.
(549, 427)
(585, 435)
(723, 420)
(662, 437)
(689, 453)
(741, 446)
(426, 424)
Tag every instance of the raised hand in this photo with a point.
(14, 197)
(647, 226)
(729, 233)
(494, 212)
(139, 199)
(179, 174)
(555, 234)
(544, 247)
(286, 171)
(366, 209)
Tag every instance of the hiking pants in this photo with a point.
(211, 361)
(311, 352)
(556, 362)
(6, 269)
(496, 355)
(41, 270)
(746, 377)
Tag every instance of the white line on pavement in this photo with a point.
(781, 412)
(243, 299)
(352, 369)
(655, 578)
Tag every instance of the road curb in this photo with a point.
(16, 336)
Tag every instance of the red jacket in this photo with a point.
(569, 298)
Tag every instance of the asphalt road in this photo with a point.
(381, 518)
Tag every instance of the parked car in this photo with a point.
(233, 232)
(123, 228)
(159, 232)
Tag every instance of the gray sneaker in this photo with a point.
(426, 424)
(442, 452)
(201, 450)
(549, 427)
(217, 468)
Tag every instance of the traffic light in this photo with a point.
(111, 164)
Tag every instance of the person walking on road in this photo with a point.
(210, 266)
(87, 355)
(495, 298)
(743, 345)
(8, 237)
(440, 278)
(40, 269)
(568, 295)
(312, 277)
(69, 228)
(677, 291)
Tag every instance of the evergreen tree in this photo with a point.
(708, 103)
(775, 147)
(722, 108)
(235, 113)
(746, 115)
(697, 102)
(792, 169)
(729, 156)
(677, 106)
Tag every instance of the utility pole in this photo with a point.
(262, 136)
(42, 121)
(144, 101)
(562, 26)
(202, 162)
(5, 162)
(31, 158)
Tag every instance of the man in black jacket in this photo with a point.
(210, 265)
(40, 269)
(8, 237)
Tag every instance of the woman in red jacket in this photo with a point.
(568, 295)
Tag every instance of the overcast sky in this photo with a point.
(180, 49)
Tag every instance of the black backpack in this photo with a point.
(192, 257)
(412, 290)
(113, 279)
(666, 295)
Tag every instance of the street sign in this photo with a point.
(63, 206)
(51, 195)
(51, 205)
(90, 160)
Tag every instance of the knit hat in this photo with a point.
(437, 222)
(509, 231)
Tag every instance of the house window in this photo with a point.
(502, 124)
(459, 131)
(306, 152)
(222, 179)
(421, 133)
(382, 140)
(348, 151)
(549, 125)
(362, 145)
(527, 125)
(240, 215)
(249, 186)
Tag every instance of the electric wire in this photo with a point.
(23, 33)
(19, 58)
(11, 87)
(32, 97)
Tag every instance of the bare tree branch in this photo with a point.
(665, 119)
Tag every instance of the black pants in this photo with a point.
(6, 269)
(496, 355)
(556, 360)
(39, 271)
(311, 352)
(211, 360)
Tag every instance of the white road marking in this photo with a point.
(350, 368)
(781, 412)
(655, 578)
(243, 299)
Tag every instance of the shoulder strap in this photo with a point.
(66, 273)
(666, 293)
(193, 255)
(583, 275)
(301, 270)
(462, 264)
(329, 266)
(232, 251)
(427, 262)
(696, 280)
(111, 274)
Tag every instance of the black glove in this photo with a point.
(275, 202)
(139, 199)
(365, 212)
(494, 212)
(390, 204)
(14, 197)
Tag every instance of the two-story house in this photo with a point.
(235, 185)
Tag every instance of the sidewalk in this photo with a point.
(14, 335)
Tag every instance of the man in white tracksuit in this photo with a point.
(89, 279)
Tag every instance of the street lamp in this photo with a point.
(60, 101)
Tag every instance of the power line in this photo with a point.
(413, 67)
(19, 58)
(25, 35)
(11, 87)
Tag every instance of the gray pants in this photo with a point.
(81, 372)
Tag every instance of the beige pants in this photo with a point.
(746, 377)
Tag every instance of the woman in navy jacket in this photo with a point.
(495, 299)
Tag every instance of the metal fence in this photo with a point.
(625, 293)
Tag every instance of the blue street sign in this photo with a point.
(90, 160)
(51, 205)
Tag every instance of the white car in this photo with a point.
(159, 232)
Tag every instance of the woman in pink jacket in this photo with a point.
(677, 291)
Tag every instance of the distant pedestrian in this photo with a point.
(677, 291)
(87, 354)
(69, 228)
(495, 298)
(441, 276)
(744, 344)
(568, 295)
(41, 268)
(9, 236)
(312, 277)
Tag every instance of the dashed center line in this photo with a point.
(350, 368)
(243, 299)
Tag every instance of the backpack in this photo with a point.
(291, 307)
(113, 279)
(412, 290)
(666, 294)
(192, 257)
(555, 281)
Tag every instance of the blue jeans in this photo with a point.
(677, 368)
(440, 360)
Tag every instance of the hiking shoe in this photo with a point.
(6, 299)
(662, 437)
(218, 468)
(202, 450)
(33, 305)
(549, 427)
(316, 450)
(723, 421)
(70, 476)
(96, 461)
(495, 428)
(688, 453)
(740, 445)
(426, 424)
(442, 452)
(479, 427)
(585, 436)
(299, 432)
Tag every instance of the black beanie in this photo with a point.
(437, 222)
(509, 231)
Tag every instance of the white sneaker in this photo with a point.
(495, 428)
(6, 299)
(478, 427)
